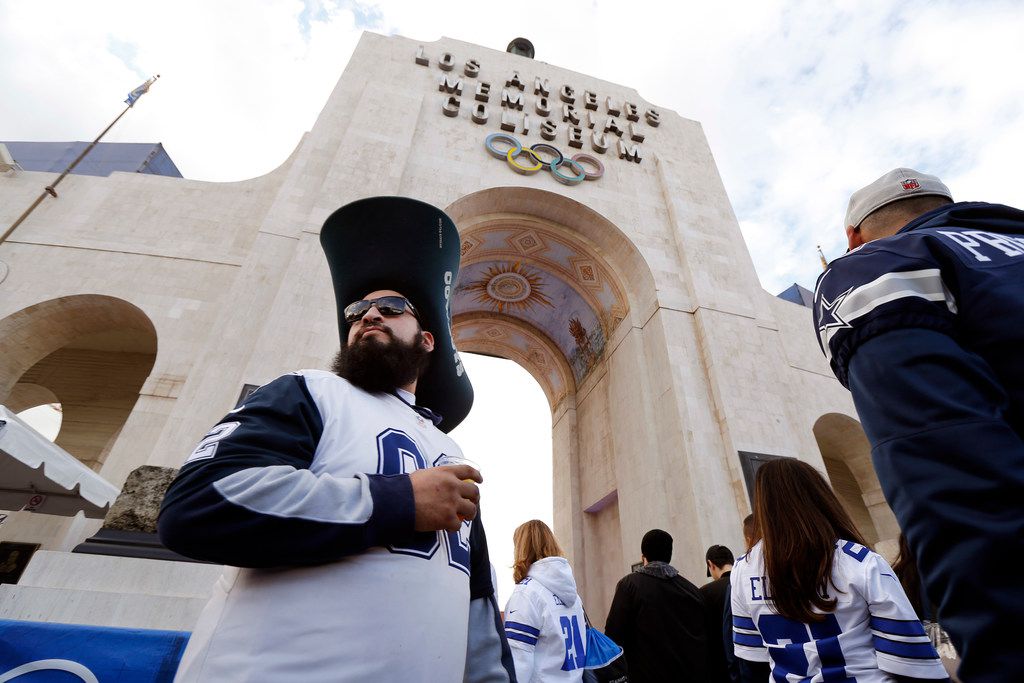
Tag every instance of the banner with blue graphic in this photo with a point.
(34, 652)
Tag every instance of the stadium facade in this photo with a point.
(617, 277)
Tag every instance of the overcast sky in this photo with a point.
(802, 102)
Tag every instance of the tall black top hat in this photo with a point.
(413, 248)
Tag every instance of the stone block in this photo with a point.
(138, 505)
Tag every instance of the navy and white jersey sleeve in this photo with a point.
(524, 619)
(747, 641)
(876, 289)
(246, 496)
(488, 657)
(901, 645)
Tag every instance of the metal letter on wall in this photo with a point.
(653, 118)
(543, 107)
(613, 106)
(480, 113)
(590, 100)
(472, 68)
(612, 125)
(567, 94)
(541, 86)
(599, 141)
(634, 134)
(483, 92)
(569, 114)
(575, 136)
(511, 99)
(450, 84)
(508, 121)
(548, 130)
(632, 113)
(447, 61)
(515, 82)
(451, 106)
(421, 57)
(526, 124)
(628, 151)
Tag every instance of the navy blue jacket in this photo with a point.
(926, 329)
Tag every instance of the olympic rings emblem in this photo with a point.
(542, 155)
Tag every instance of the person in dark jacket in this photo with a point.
(657, 617)
(719, 560)
(923, 320)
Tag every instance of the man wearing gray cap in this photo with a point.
(923, 320)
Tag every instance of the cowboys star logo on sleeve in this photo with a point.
(829, 318)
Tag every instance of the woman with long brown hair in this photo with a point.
(813, 599)
(544, 619)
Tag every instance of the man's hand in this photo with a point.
(444, 496)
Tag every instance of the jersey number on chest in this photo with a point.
(397, 453)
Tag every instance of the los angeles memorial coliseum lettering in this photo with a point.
(602, 123)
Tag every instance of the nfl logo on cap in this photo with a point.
(897, 184)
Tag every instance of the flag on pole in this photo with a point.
(140, 91)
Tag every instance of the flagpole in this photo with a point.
(51, 188)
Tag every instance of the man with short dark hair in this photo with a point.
(351, 557)
(719, 561)
(657, 616)
(923, 320)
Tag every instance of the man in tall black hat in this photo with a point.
(351, 557)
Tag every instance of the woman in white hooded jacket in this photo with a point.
(544, 618)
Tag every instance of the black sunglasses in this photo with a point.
(387, 305)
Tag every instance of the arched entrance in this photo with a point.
(548, 283)
(847, 455)
(89, 353)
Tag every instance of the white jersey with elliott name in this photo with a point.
(347, 592)
(872, 633)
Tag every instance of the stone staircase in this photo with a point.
(98, 590)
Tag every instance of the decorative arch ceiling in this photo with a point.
(555, 284)
(500, 335)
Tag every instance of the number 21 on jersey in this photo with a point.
(575, 654)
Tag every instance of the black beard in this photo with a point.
(377, 366)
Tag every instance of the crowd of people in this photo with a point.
(834, 606)
(351, 557)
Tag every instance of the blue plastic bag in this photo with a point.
(604, 660)
(601, 650)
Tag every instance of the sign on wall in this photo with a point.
(750, 463)
(590, 124)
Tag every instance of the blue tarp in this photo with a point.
(104, 159)
(72, 653)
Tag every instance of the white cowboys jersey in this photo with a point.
(304, 474)
(545, 624)
(872, 633)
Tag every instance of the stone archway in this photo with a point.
(91, 354)
(550, 284)
(847, 456)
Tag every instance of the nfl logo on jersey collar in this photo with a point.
(413, 248)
